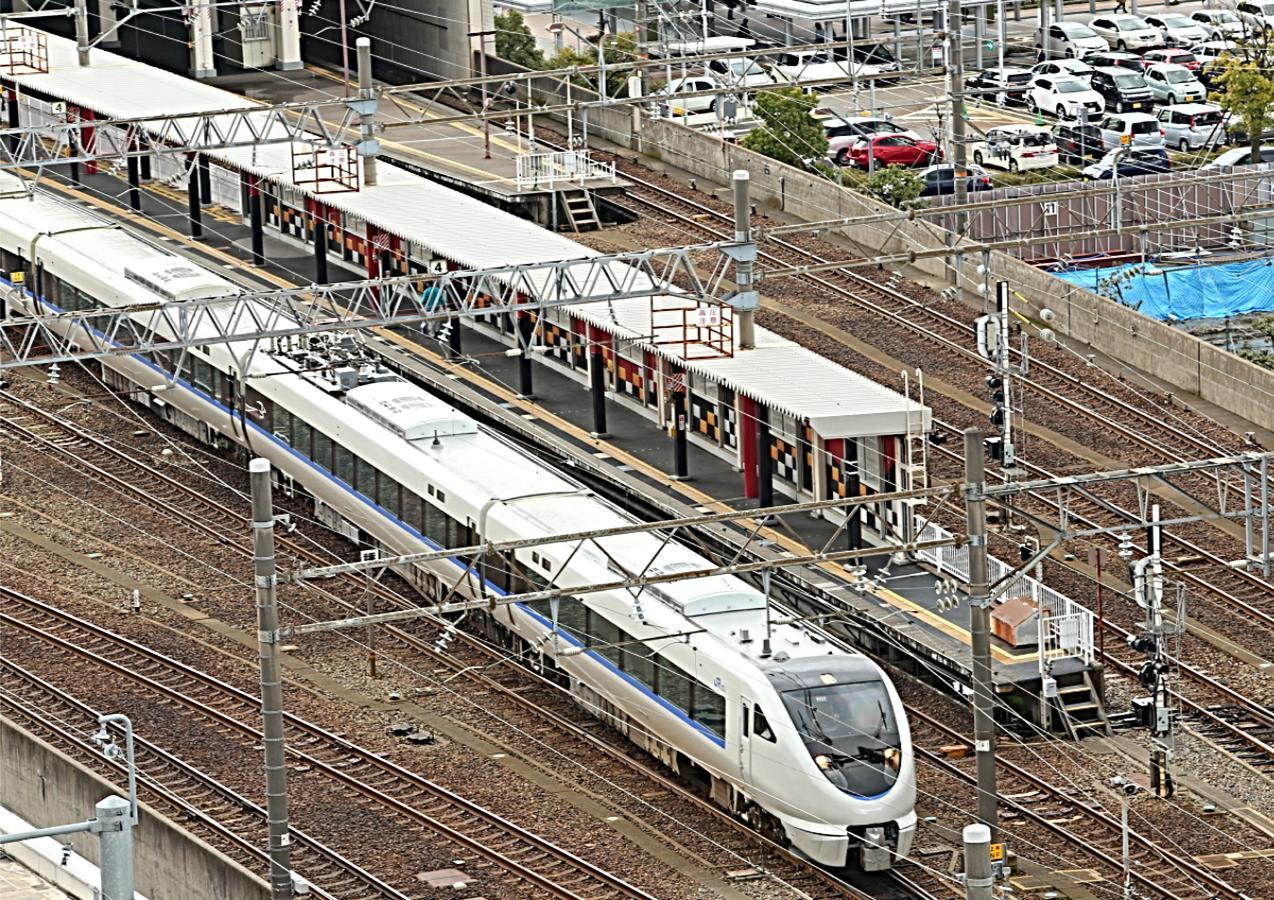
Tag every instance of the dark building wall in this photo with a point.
(416, 40)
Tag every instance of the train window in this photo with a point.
(638, 661)
(603, 635)
(202, 374)
(322, 450)
(301, 435)
(436, 523)
(674, 685)
(442, 496)
(761, 726)
(219, 383)
(342, 463)
(709, 709)
(364, 477)
(413, 507)
(387, 495)
(570, 617)
(282, 424)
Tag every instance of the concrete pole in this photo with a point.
(276, 773)
(107, 20)
(203, 63)
(978, 880)
(980, 623)
(368, 147)
(745, 299)
(115, 837)
(289, 57)
(1127, 858)
(955, 66)
(81, 31)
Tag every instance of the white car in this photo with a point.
(1211, 51)
(1017, 148)
(741, 72)
(1124, 32)
(1220, 24)
(1257, 15)
(1070, 40)
(670, 95)
(1171, 83)
(1065, 96)
(1238, 156)
(1063, 67)
(1178, 30)
(1141, 129)
(814, 65)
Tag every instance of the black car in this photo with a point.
(1078, 143)
(941, 180)
(1117, 59)
(1135, 161)
(999, 85)
(1123, 90)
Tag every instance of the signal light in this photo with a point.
(994, 382)
(997, 417)
(995, 448)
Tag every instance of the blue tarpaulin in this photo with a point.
(1187, 292)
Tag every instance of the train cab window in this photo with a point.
(282, 424)
(761, 726)
(674, 685)
(709, 709)
(301, 431)
(322, 450)
(364, 477)
(342, 463)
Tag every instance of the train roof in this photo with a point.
(779, 373)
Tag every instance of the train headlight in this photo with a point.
(893, 758)
(823, 762)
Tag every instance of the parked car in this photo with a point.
(1070, 67)
(1257, 15)
(1078, 143)
(670, 95)
(1003, 86)
(1175, 55)
(844, 131)
(1068, 97)
(878, 56)
(1142, 129)
(1115, 59)
(1220, 24)
(1238, 156)
(740, 72)
(1017, 148)
(1177, 30)
(1209, 54)
(1069, 39)
(939, 180)
(1192, 126)
(893, 150)
(1121, 89)
(1134, 161)
(1175, 84)
(816, 65)
(1125, 32)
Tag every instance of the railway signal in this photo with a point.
(992, 332)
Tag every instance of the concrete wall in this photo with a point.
(46, 788)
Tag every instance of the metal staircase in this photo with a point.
(1081, 708)
(581, 214)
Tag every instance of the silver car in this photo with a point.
(1069, 39)
(1178, 30)
(1192, 126)
(1141, 129)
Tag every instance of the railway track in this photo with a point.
(361, 774)
(202, 804)
(123, 472)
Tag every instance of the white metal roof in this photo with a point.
(779, 372)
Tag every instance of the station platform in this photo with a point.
(895, 609)
(457, 154)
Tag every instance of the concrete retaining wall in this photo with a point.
(1179, 359)
(45, 787)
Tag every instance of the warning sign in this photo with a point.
(997, 853)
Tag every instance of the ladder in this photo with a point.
(581, 214)
(1082, 710)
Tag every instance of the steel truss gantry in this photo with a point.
(255, 316)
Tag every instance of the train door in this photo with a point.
(745, 739)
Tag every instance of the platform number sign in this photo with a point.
(997, 853)
(1049, 207)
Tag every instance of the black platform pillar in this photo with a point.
(597, 379)
(680, 450)
(764, 464)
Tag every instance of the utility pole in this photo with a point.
(276, 773)
(482, 70)
(980, 623)
(955, 66)
(369, 147)
(81, 31)
(744, 299)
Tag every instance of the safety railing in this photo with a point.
(549, 170)
(1073, 635)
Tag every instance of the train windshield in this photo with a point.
(850, 730)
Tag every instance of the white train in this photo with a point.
(805, 740)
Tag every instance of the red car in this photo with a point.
(893, 150)
(1171, 55)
